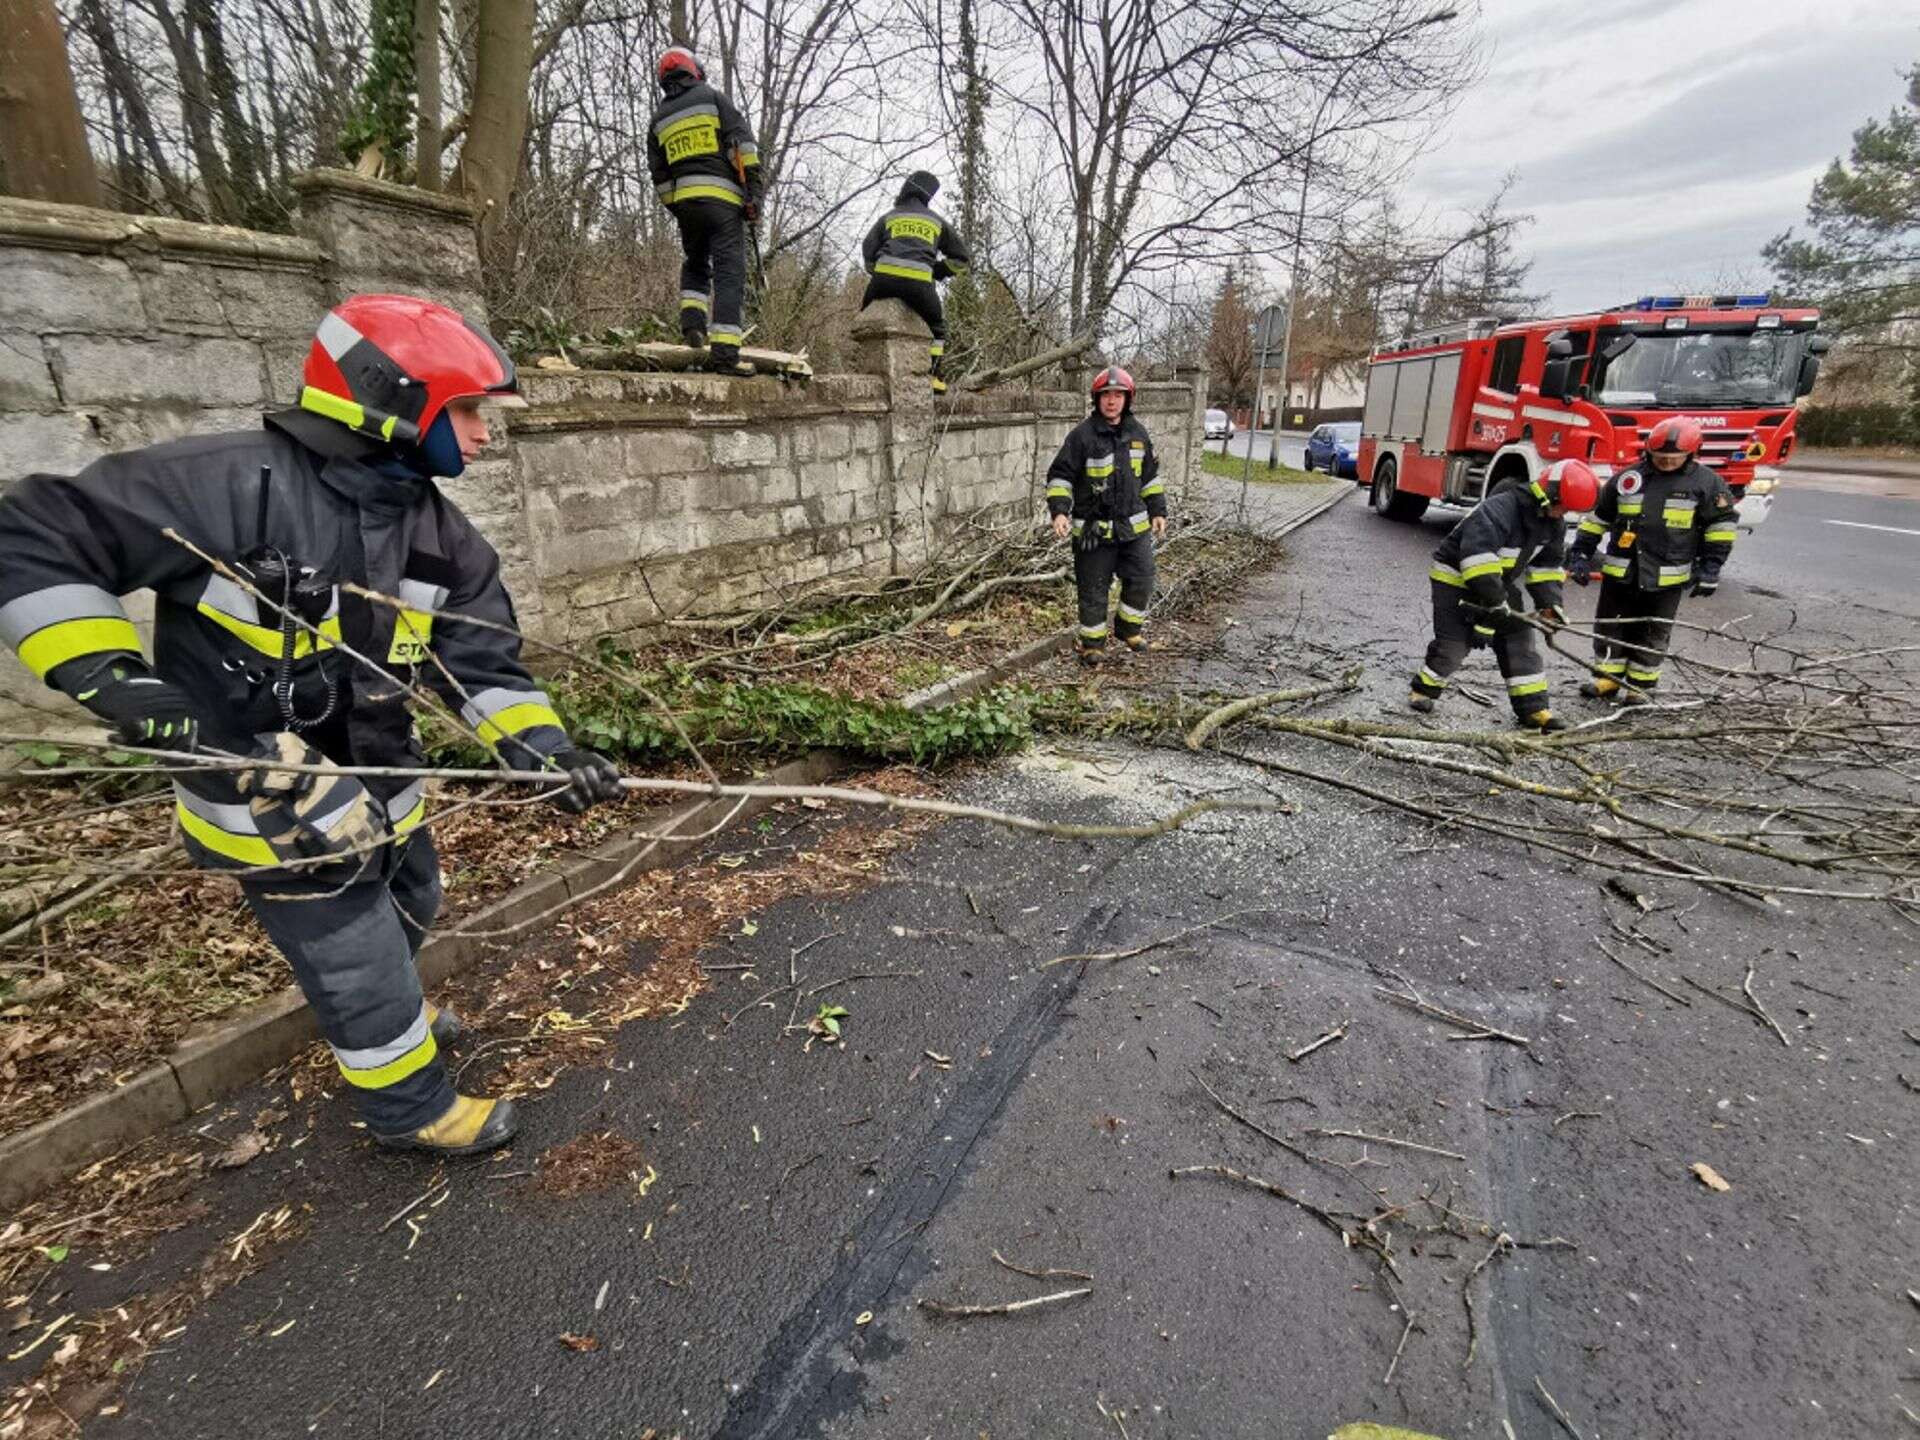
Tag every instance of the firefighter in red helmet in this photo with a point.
(1104, 490)
(1669, 524)
(336, 493)
(705, 165)
(1511, 540)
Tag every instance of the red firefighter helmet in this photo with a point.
(1113, 378)
(1676, 435)
(1571, 483)
(386, 366)
(678, 57)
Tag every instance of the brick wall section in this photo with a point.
(614, 500)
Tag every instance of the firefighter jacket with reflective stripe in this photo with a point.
(694, 142)
(71, 546)
(1509, 541)
(1660, 525)
(911, 242)
(1107, 476)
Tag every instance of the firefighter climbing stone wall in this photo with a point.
(909, 249)
(1104, 490)
(342, 874)
(706, 170)
(1511, 540)
(1669, 526)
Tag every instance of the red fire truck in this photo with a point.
(1453, 413)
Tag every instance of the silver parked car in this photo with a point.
(1219, 425)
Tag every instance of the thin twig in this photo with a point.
(1746, 987)
(1479, 1028)
(1642, 977)
(1256, 1126)
(1553, 1407)
(412, 1205)
(1155, 944)
(1389, 1140)
(961, 1312)
(1339, 1032)
(1048, 1274)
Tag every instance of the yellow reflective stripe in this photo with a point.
(347, 412)
(902, 272)
(1541, 577)
(1644, 677)
(679, 125)
(1611, 667)
(1097, 472)
(1446, 577)
(516, 719)
(1057, 491)
(394, 1071)
(1527, 685)
(1729, 535)
(1592, 527)
(412, 818)
(1490, 567)
(266, 639)
(1154, 488)
(914, 227)
(1427, 677)
(412, 634)
(69, 639)
(246, 849)
(689, 190)
(1093, 632)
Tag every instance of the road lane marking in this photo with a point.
(1861, 525)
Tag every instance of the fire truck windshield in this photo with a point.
(1693, 370)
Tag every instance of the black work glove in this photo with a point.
(1491, 619)
(143, 709)
(1706, 582)
(1580, 568)
(1088, 539)
(591, 778)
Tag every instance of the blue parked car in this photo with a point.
(1335, 449)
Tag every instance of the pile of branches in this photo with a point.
(1763, 769)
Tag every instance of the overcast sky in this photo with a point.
(1661, 143)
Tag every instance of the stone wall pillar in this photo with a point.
(384, 238)
(893, 343)
(1198, 377)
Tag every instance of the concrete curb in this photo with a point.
(1838, 462)
(207, 1068)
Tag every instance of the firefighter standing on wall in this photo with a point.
(1104, 490)
(1669, 523)
(1512, 539)
(339, 490)
(910, 248)
(706, 171)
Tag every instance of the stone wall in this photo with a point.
(615, 499)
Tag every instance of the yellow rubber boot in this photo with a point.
(470, 1127)
(1422, 703)
(1544, 721)
(1600, 687)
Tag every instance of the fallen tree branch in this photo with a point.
(1155, 944)
(1048, 1274)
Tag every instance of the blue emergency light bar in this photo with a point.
(1702, 302)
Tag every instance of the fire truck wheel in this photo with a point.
(1387, 499)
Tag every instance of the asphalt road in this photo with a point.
(769, 1283)
(1838, 545)
(1293, 446)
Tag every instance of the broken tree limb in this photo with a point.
(962, 1312)
(1256, 1126)
(1358, 1237)
(1746, 987)
(1553, 1408)
(983, 378)
(1235, 709)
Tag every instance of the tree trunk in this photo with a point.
(678, 30)
(245, 164)
(426, 84)
(43, 139)
(196, 108)
(502, 72)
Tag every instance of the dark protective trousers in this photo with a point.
(351, 933)
(1632, 629)
(920, 296)
(713, 274)
(1516, 651)
(1093, 574)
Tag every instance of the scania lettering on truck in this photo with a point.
(1453, 413)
